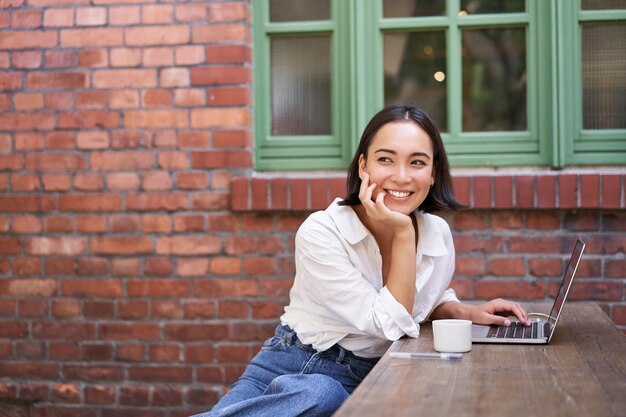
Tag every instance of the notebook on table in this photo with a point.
(542, 325)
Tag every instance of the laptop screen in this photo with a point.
(566, 282)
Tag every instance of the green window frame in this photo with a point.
(553, 137)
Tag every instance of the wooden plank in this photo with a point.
(581, 373)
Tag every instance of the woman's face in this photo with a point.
(400, 162)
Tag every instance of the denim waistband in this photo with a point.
(335, 352)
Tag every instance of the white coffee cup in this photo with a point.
(452, 335)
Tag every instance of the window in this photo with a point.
(509, 82)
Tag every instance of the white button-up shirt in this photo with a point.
(338, 294)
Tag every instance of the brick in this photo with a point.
(545, 267)
(205, 396)
(95, 139)
(26, 59)
(219, 75)
(189, 223)
(154, 14)
(58, 101)
(124, 99)
(173, 160)
(60, 266)
(24, 19)
(124, 15)
(581, 222)
(125, 57)
(596, 291)
(127, 266)
(525, 191)
(189, 55)
(470, 266)
(210, 201)
(91, 16)
(65, 308)
(158, 57)
(134, 395)
(60, 140)
(80, 38)
(226, 12)
(542, 220)
(29, 287)
(225, 266)
(228, 288)
(93, 58)
(28, 39)
(130, 78)
(208, 118)
(266, 310)
(228, 54)
(190, 97)
(132, 309)
(89, 120)
(28, 101)
(63, 17)
(93, 373)
(99, 394)
(57, 79)
(511, 289)
(60, 58)
(233, 309)
(68, 246)
(229, 96)
(187, 267)
(188, 245)
(156, 223)
(546, 244)
(65, 393)
(195, 331)
(90, 99)
(58, 224)
(157, 201)
(157, 118)
(158, 266)
(590, 191)
(11, 162)
(546, 191)
(169, 374)
(611, 191)
(10, 81)
(32, 308)
(164, 396)
(157, 35)
(166, 310)
(568, 191)
(56, 182)
(129, 331)
(126, 245)
(174, 77)
(199, 309)
(507, 267)
(54, 161)
(124, 223)
(26, 224)
(236, 138)
(26, 266)
(21, 204)
(93, 266)
(156, 98)
(121, 161)
(97, 351)
(29, 370)
(163, 138)
(130, 352)
(5, 143)
(614, 268)
(191, 12)
(98, 309)
(123, 181)
(192, 180)
(90, 202)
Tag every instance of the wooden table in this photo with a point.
(582, 372)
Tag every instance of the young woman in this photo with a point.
(369, 269)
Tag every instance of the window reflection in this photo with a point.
(494, 79)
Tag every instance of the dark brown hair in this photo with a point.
(441, 195)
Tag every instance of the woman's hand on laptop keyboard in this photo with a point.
(496, 312)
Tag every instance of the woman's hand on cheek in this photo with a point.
(377, 210)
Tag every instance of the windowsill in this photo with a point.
(525, 188)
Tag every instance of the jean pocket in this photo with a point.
(357, 373)
(273, 343)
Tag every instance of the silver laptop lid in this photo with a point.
(566, 283)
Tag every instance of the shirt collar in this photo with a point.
(430, 240)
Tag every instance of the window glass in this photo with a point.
(299, 10)
(415, 71)
(603, 4)
(494, 79)
(491, 6)
(604, 76)
(301, 85)
(411, 8)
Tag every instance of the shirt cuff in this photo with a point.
(396, 321)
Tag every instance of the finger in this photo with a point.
(499, 320)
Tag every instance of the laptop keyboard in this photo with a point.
(518, 331)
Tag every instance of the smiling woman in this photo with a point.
(369, 269)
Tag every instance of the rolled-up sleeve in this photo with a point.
(342, 298)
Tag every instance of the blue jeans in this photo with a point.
(287, 378)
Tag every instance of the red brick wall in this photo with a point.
(140, 268)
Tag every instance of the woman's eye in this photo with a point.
(384, 159)
(417, 162)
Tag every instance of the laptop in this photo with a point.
(542, 325)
